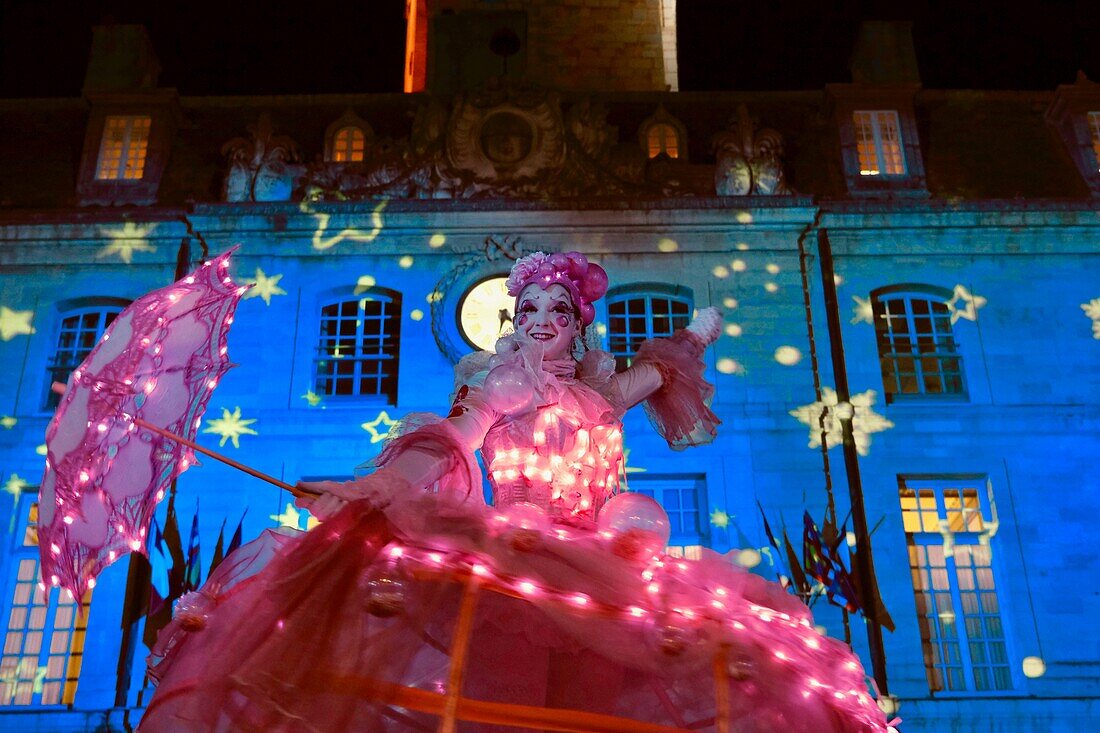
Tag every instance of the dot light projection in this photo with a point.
(379, 428)
(264, 287)
(8, 422)
(351, 234)
(126, 240)
(865, 421)
(15, 323)
(1092, 312)
(230, 426)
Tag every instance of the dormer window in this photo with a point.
(878, 143)
(663, 134)
(1094, 131)
(123, 148)
(348, 139)
(348, 145)
(662, 139)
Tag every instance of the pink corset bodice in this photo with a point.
(564, 456)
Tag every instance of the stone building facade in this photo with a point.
(941, 248)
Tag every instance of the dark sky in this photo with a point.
(241, 46)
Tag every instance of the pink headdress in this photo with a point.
(586, 281)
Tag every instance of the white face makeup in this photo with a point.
(548, 317)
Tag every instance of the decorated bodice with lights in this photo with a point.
(563, 455)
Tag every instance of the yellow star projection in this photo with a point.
(264, 287)
(1092, 312)
(720, 519)
(865, 420)
(372, 427)
(970, 304)
(312, 398)
(862, 312)
(230, 426)
(126, 240)
(290, 517)
(8, 422)
(15, 323)
(351, 234)
(15, 485)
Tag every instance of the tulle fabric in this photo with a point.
(297, 647)
(680, 409)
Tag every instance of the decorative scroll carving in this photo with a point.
(749, 160)
(259, 166)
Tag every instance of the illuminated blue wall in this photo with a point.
(1030, 421)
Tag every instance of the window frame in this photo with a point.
(65, 310)
(18, 551)
(127, 147)
(647, 291)
(662, 117)
(933, 295)
(386, 295)
(938, 484)
(658, 486)
(879, 142)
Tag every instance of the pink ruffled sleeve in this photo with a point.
(667, 378)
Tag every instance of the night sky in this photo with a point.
(238, 47)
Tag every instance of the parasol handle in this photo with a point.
(224, 459)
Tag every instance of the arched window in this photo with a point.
(357, 352)
(644, 311)
(348, 139)
(81, 326)
(44, 640)
(662, 133)
(348, 145)
(662, 138)
(916, 346)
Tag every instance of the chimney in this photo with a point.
(884, 54)
(122, 59)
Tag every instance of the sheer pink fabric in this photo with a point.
(373, 593)
(680, 409)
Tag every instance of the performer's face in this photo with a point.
(548, 317)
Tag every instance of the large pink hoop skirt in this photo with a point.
(306, 644)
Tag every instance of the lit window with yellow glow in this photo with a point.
(44, 640)
(348, 144)
(662, 138)
(878, 143)
(1094, 133)
(681, 496)
(123, 148)
(948, 525)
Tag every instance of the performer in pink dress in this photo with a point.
(415, 606)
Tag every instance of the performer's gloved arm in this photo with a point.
(425, 456)
(645, 377)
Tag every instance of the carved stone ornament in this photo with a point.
(498, 134)
(260, 166)
(749, 161)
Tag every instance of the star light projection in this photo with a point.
(292, 518)
(862, 311)
(15, 323)
(312, 398)
(1092, 312)
(372, 427)
(7, 422)
(126, 240)
(264, 287)
(720, 518)
(230, 426)
(15, 485)
(970, 304)
(865, 421)
(350, 234)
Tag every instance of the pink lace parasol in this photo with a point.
(108, 459)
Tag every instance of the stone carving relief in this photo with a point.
(261, 166)
(749, 161)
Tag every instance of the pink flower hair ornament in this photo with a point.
(586, 281)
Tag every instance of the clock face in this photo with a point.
(485, 313)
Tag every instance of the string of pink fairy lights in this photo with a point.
(147, 385)
(755, 625)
